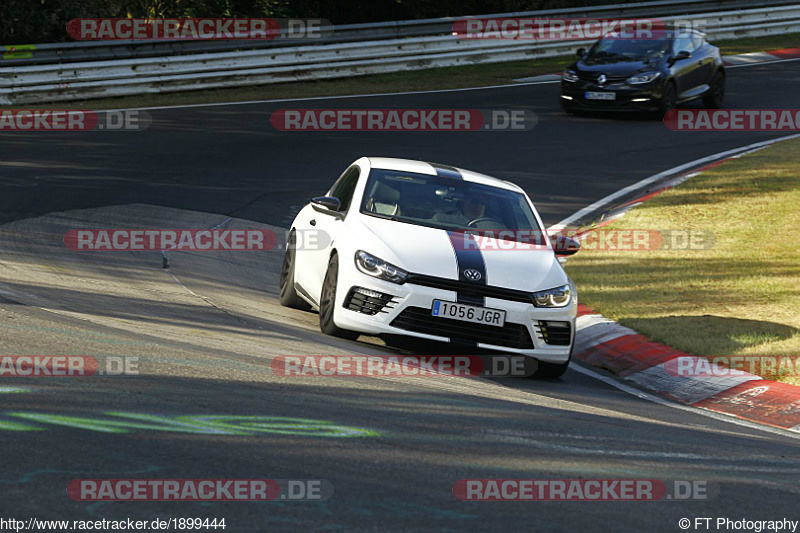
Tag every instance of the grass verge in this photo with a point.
(419, 80)
(739, 297)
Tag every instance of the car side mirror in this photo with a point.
(563, 245)
(680, 56)
(580, 52)
(327, 204)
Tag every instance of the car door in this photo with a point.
(325, 226)
(685, 71)
(704, 58)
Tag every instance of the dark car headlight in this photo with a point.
(373, 266)
(557, 297)
(569, 76)
(643, 77)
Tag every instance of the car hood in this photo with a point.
(430, 251)
(611, 67)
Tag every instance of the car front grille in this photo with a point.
(554, 333)
(420, 320)
(592, 77)
(470, 289)
(367, 301)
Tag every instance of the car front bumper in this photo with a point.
(626, 97)
(408, 313)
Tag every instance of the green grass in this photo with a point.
(739, 297)
(481, 75)
(758, 44)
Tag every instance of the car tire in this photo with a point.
(669, 100)
(716, 93)
(287, 295)
(327, 303)
(552, 370)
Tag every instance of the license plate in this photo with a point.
(469, 313)
(600, 96)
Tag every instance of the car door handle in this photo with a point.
(313, 222)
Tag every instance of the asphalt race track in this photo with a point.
(205, 331)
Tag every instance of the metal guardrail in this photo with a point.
(353, 50)
(83, 51)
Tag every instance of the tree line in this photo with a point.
(41, 21)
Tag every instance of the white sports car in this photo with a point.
(432, 251)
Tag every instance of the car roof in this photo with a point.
(430, 169)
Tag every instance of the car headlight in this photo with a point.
(558, 297)
(373, 266)
(569, 76)
(644, 77)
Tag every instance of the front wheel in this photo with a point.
(716, 94)
(552, 370)
(669, 99)
(287, 295)
(327, 303)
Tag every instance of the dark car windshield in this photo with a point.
(616, 48)
(447, 203)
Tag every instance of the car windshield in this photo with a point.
(622, 49)
(449, 204)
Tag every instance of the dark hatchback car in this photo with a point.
(654, 74)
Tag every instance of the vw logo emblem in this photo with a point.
(601, 79)
(472, 274)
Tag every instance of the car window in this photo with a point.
(446, 203)
(610, 48)
(698, 41)
(345, 186)
(683, 42)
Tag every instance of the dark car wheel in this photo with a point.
(669, 99)
(327, 303)
(551, 370)
(716, 94)
(287, 295)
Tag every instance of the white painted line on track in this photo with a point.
(340, 97)
(762, 63)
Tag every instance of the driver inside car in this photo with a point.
(471, 213)
(472, 208)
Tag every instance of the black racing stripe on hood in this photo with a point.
(468, 258)
(445, 171)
